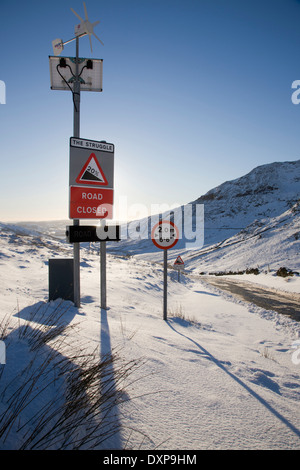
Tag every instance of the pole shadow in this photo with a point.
(267, 405)
(108, 387)
(85, 420)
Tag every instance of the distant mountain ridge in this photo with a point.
(263, 179)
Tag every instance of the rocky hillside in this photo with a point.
(266, 245)
(265, 192)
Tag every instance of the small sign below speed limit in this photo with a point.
(165, 234)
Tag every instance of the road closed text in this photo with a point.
(91, 203)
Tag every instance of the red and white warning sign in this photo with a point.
(92, 173)
(165, 234)
(179, 262)
(91, 203)
(91, 163)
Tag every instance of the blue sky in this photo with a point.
(195, 93)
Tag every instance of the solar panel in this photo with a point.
(63, 72)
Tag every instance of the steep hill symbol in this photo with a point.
(92, 172)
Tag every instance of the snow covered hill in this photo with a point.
(265, 244)
(264, 193)
(252, 221)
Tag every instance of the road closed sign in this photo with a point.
(91, 203)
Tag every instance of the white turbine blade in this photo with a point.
(95, 23)
(85, 11)
(76, 14)
(91, 43)
(98, 38)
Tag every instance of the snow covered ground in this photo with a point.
(219, 374)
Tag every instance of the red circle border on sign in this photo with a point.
(177, 234)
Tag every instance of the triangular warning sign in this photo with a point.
(178, 260)
(92, 173)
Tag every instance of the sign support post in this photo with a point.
(76, 132)
(165, 235)
(103, 272)
(102, 234)
(165, 283)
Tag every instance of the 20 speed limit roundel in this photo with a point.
(165, 234)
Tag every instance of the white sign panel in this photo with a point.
(91, 163)
(165, 234)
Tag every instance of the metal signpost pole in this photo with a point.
(165, 235)
(165, 282)
(60, 80)
(103, 272)
(76, 133)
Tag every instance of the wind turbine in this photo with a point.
(86, 27)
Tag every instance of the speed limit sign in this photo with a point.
(165, 234)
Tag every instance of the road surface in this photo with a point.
(265, 297)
